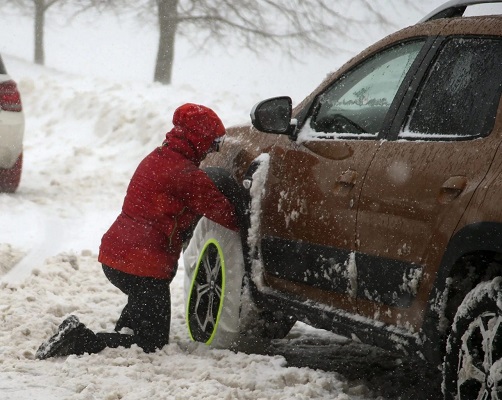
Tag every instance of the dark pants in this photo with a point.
(147, 312)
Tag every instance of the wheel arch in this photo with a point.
(473, 254)
(226, 183)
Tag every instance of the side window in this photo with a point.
(358, 102)
(460, 96)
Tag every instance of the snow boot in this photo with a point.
(115, 339)
(152, 336)
(72, 337)
(125, 320)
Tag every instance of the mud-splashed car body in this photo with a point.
(372, 209)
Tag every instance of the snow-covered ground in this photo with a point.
(91, 115)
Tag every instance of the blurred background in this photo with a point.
(287, 49)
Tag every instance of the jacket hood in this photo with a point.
(195, 129)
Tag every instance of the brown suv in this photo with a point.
(374, 209)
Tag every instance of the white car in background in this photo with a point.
(11, 133)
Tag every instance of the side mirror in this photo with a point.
(273, 115)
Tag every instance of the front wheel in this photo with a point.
(473, 363)
(220, 310)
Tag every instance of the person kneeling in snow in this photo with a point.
(139, 253)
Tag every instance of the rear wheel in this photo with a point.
(473, 361)
(220, 310)
(10, 177)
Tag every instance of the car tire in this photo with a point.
(473, 361)
(10, 177)
(220, 310)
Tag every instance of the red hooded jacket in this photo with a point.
(165, 196)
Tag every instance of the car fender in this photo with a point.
(476, 237)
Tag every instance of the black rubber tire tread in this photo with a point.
(484, 298)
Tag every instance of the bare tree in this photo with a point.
(37, 8)
(41, 6)
(288, 25)
(168, 26)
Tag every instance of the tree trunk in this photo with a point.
(39, 31)
(168, 24)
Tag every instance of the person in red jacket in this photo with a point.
(139, 253)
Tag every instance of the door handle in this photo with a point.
(345, 182)
(452, 188)
(348, 178)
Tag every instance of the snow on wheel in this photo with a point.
(214, 270)
(220, 310)
(473, 363)
(10, 177)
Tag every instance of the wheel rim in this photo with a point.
(479, 368)
(206, 293)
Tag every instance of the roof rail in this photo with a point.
(454, 8)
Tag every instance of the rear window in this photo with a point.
(461, 94)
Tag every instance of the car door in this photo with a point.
(309, 207)
(423, 177)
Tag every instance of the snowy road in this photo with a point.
(377, 372)
(85, 135)
(49, 241)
